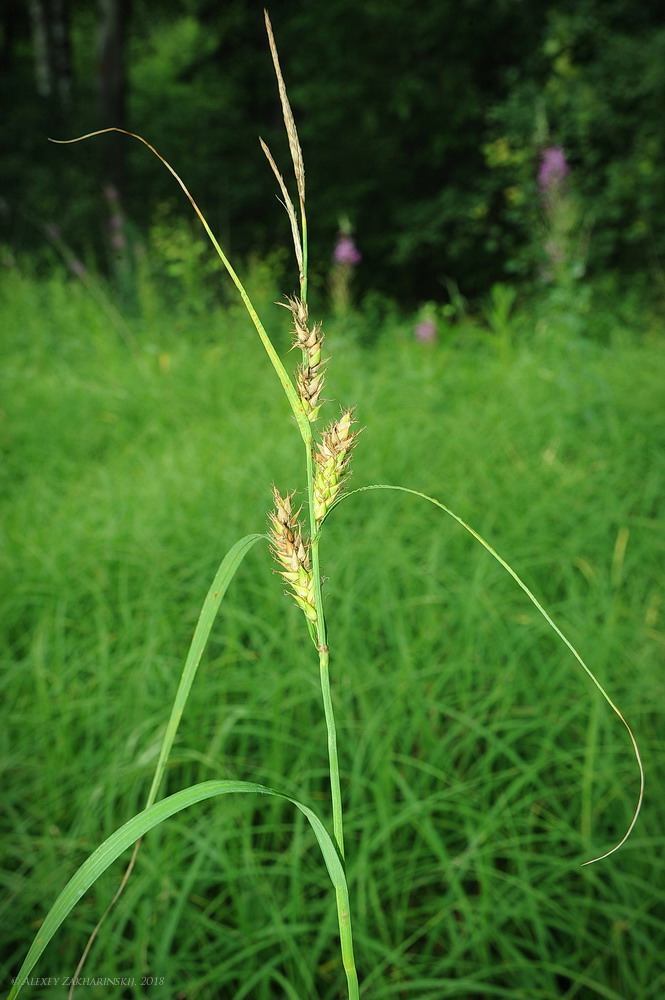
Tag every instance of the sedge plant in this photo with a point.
(294, 539)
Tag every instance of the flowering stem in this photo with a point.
(324, 661)
(309, 380)
(321, 632)
(343, 915)
(303, 276)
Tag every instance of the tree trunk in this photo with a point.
(52, 52)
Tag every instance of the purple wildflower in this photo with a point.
(553, 169)
(346, 251)
(426, 331)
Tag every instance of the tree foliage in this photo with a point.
(421, 122)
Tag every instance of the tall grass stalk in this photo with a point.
(297, 553)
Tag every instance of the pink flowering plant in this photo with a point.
(426, 331)
(553, 170)
(564, 237)
(426, 327)
(345, 259)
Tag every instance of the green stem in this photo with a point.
(335, 792)
(303, 276)
(342, 900)
(324, 661)
(346, 942)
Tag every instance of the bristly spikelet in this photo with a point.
(310, 374)
(332, 459)
(292, 553)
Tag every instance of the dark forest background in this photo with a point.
(423, 123)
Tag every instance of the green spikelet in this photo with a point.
(310, 374)
(331, 463)
(292, 553)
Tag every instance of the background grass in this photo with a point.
(479, 766)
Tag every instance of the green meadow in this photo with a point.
(480, 767)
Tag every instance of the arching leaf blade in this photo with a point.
(555, 628)
(139, 825)
(209, 609)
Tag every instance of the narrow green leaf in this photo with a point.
(214, 598)
(555, 628)
(140, 824)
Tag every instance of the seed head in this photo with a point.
(292, 553)
(332, 456)
(309, 374)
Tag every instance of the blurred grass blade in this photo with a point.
(136, 827)
(534, 600)
(280, 370)
(213, 599)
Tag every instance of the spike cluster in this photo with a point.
(310, 374)
(332, 459)
(292, 553)
(331, 454)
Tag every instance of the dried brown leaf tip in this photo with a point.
(292, 553)
(332, 459)
(310, 374)
(288, 205)
(289, 121)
